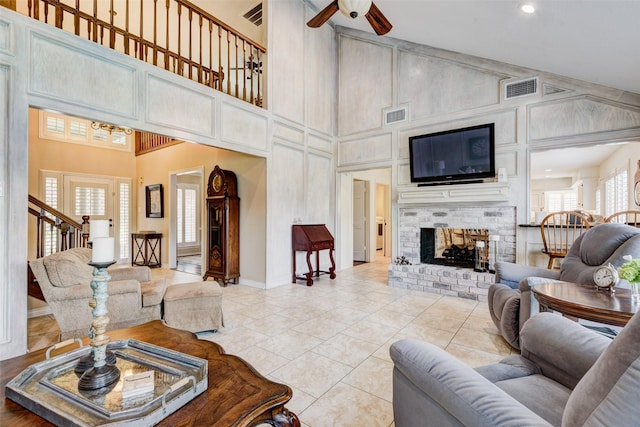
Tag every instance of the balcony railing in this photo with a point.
(173, 34)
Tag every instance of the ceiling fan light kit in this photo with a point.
(354, 8)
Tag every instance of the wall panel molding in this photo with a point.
(6, 37)
(375, 148)
(243, 127)
(581, 115)
(201, 108)
(65, 72)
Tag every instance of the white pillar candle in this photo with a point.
(102, 250)
(98, 228)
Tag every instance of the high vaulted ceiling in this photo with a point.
(597, 41)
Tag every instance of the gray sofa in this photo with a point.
(65, 278)
(566, 375)
(510, 300)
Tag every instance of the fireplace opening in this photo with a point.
(453, 246)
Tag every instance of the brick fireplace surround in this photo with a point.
(446, 280)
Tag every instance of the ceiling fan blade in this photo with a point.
(324, 15)
(378, 21)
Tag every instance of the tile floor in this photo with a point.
(330, 342)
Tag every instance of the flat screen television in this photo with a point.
(466, 154)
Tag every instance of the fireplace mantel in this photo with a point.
(477, 192)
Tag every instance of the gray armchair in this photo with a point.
(511, 302)
(65, 278)
(566, 375)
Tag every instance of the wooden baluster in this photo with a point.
(126, 28)
(141, 47)
(155, 32)
(180, 38)
(166, 40)
(85, 228)
(95, 21)
(29, 8)
(46, 12)
(258, 99)
(76, 19)
(228, 61)
(244, 70)
(39, 239)
(236, 94)
(191, 44)
(220, 73)
(200, 78)
(59, 15)
(64, 236)
(112, 32)
(213, 76)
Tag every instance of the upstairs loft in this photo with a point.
(176, 35)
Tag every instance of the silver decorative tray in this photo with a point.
(50, 388)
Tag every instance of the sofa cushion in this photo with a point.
(69, 268)
(153, 292)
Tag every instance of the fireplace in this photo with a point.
(453, 246)
(434, 276)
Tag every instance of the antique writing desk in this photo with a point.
(312, 238)
(237, 395)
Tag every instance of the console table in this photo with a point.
(236, 395)
(586, 302)
(312, 238)
(146, 248)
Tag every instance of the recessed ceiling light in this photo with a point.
(527, 8)
(548, 170)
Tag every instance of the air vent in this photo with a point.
(255, 15)
(395, 116)
(521, 88)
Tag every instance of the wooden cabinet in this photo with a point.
(223, 227)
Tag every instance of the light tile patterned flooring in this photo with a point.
(330, 342)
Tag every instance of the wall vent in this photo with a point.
(521, 88)
(255, 15)
(395, 116)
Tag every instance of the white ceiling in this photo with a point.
(593, 40)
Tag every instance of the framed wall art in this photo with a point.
(155, 201)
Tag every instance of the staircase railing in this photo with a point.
(56, 229)
(173, 34)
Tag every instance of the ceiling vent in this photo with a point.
(395, 115)
(255, 15)
(521, 88)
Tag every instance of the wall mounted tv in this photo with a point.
(466, 154)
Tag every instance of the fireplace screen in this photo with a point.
(452, 246)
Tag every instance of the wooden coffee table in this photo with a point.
(237, 394)
(586, 302)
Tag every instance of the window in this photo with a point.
(123, 218)
(59, 127)
(51, 198)
(616, 190)
(561, 200)
(187, 215)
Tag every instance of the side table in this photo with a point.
(146, 248)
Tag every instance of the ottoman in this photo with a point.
(194, 307)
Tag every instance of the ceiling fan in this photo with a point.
(252, 65)
(353, 9)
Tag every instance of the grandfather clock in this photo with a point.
(223, 227)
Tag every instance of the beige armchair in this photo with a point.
(65, 280)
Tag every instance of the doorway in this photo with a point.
(186, 224)
(365, 203)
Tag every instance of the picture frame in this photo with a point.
(154, 201)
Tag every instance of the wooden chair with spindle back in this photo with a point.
(559, 230)
(629, 217)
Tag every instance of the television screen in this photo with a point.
(459, 154)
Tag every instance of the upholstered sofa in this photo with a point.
(566, 375)
(65, 280)
(510, 299)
